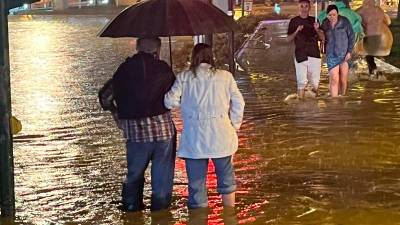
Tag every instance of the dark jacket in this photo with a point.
(338, 40)
(139, 86)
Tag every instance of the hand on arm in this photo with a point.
(320, 33)
(172, 98)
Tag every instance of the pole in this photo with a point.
(7, 195)
(232, 66)
(208, 38)
(170, 52)
(242, 4)
(316, 10)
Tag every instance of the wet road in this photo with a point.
(319, 161)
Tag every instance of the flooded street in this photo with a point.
(319, 161)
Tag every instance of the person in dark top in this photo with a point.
(305, 32)
(138, 89)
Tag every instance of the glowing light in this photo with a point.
(41, 41)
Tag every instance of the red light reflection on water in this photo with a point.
(244, 164)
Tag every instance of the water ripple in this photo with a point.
(318, 161)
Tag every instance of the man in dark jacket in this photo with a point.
(138, 88)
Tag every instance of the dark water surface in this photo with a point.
(319, 161)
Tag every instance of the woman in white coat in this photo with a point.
(212, 112)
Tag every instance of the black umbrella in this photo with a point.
(166, 18)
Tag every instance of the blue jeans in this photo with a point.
(197, 173)
(138, 155)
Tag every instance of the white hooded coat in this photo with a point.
(211, 109)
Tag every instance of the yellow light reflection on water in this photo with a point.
(40, 74)
(293, 158)
(41, 60)
(40, 41)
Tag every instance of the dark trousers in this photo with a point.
(162, 157)
(371, 63)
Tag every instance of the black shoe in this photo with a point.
(131, 207)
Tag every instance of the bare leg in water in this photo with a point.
(228, 199)
(301, 93)
(343, 78)
(334, 82)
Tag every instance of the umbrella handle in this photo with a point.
(170, 51)
(316, 10)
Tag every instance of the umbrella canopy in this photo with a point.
(165, 18)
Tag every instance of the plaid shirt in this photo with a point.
(148, 129)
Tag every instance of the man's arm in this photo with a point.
(107, 101)
(106, 97)
(291, 37)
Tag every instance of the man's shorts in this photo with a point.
(308, 71)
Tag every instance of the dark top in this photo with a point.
(139, 86)
(306, 41)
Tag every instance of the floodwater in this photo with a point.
(318, 161)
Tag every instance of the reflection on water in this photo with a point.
(318, 161)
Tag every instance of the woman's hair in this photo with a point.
(332, 7)
(201, 53)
